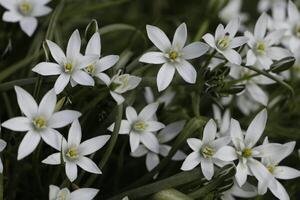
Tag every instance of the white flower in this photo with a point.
(141, 127)
(204, 150)
(225, 41)
(25, 12)
(164, 136)
(280, 172)
(99, 66)
(223, 121)
(265, 5)
(2, 147)
(244, 149)
(262, 51)
(246, 191)
(74, 152)
(120, 84)
(55, 193)
(68, 67)
(165, 98)
(40, 121)
(173, 56)
(231, 10)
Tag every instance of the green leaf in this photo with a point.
(283, 64)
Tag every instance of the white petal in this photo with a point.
(241, 173)
(226, 153)
(195, 144)
(152, 160)
(26, 102)
(74, 136)
(283, 172)
(257, 94)
(153, 58)
(180, 36)
(261, 26)
(11, 16)
(232, 27)
(18, 124)
(194, 50)
(275, 37)
(53, 138)
(47, 69)
(158, 38)
(71, 171)
(134, 140)
(131, 114)
(165, 76)
(179, 155)
(2, 145)
(140, 151)
(103, 77)
(154, 126)
(207, 168)
(251, 58)
(53, 192)
(61, 82)
(191, 161)
(170, 131)
(56, 52)
(28, 25)
(277, 53)
(148, 111)
(264, 62)
(209, 39)
(232, 56)
(84, 61)
(293, 12)
(74, 44)
(53, 159)
(238, 41)
(47, 105)
(88, 165)
(236, 133)
(107, 62)
(94, 45)
(220, 32)
(41, 11)
(28, 144)
(84, 193)
(209, 132)
(150, 141)
(124, 128)
(63, 118)
(256, 128)
(187, 71)
(279, 191)
(92, 145)
(83, 78)
(117, 97)
(8, 4)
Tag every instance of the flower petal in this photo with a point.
(74, 136)
(47, 105)
(26, 102)
(47, 69)
(148, 111)
(11, 16)
(286, 173)
(150, 141)
(191, 161)
(153, 58)
(158, 38)
(54, 159)
(195, 144)
(134, 140)
(94, 45)
(62, 118)
(74, 44)
(187, 71)
(140, 151)
(56, 52)
(226, 153)
(180, 36)
(28, 144)
(277, 53)
(261, 26)
(71, 171)
(53, 138)
(236, 133)
(210, 40)
(61, 82)
(117, 97)
(88, 165)
(131, 114)
(83, 78)
(152, 160)
(194, 50)
(232, 56)
(251, 58)
(124, 128)
(238, 41)
(209, 132)
(241, 173)
(170, 131)
(92, 145)
(107, 62)
(84, 193)
(165, 76)
(28, 25)
(207, 168)
(232, 27)
(18, 124)
(257, 94)
(154, 126)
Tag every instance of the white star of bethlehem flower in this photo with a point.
(74, 152)
(141, 127)
(165, 135)
(97, 68)
(262, 51)
(245, 151)
(280, 172)
(204, 150)
(173, 56)
(25, 12)
(2, 147)
(225, 41)
(55, 193)
(40, 121)
(68, 67)
(120, 84)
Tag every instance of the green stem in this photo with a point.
(1, 187)
(111, 145)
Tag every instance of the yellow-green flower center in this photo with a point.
(68, 67)
(139, 126)
(208, 151)
(271, 169)
(39, 123)
(173, 55)
(90, 69)
(247, 153)
(260, 47)
(25, 8)
(72, 153)
(297, 30)
(224, 42)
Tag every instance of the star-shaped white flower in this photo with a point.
(141, 127)
(225, 41)
(245, 151)
(120, 84)
(55, 193)
(173, 56)
(279, 172)
(68, 67)
(262, 51)
(25, 12)
(74, 152)
(2, 147)
(97, 68)
(40, 121)
(223, 120)
(165, 135)
(204, 150)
